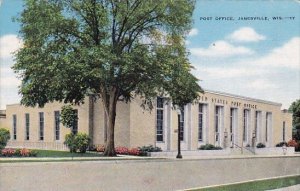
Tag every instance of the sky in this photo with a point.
(242, 47)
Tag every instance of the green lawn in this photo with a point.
(50, 153)
(257, 185)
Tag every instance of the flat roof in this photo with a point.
(222, 94)
(242, 97)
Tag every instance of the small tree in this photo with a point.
(4, 137)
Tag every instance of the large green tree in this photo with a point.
(109, 49)
(295, 109)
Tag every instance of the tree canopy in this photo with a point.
(107, 49)
(295, 109)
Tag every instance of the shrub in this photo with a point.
(8, 152)
(80, 142)
(210, 147)
(92, 148)
(281, 144)
(18, 152)
(150, 148)
(70, 142)
(260, 145)
(25, 152)
(134, 151)
(292, 143)
(33, 153)
(121, 150)
(4, 137)
(100, 148)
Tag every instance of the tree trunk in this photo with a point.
(110, 109)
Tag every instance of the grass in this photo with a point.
(60, 154)
(256, 185)
(64, 156)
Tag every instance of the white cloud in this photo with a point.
(246, 34)
(261, 84)
(193, 32)
(10, 82)
(287, 56)
(221, 49)
(222, 72)
(9, 44)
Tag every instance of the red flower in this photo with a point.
(100, 148)
(8, 152)
(25, 152)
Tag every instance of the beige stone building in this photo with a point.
(218, 118)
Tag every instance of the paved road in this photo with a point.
(137, 175)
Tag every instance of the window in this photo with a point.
(75, 125)
(245, 124)
(14, 127)
(159, 119)
(182, 125)
(41, 117)
(200, 122)
(231, 123)
(57, 125)
(27, 125)
(283, 131)
(266, 127)
(256, 122)
(217, 122)
(268, 124)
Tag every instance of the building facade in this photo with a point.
(218, 118)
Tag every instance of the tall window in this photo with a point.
(245, 124)
(14, 127)
(257, 125)
(200, 122)
(283, 131)
(159, 119)
(27, 125)
(217, 121)
(268, 123)
(256, 122)
(182, 125)
(231, 123)
(41, 119)
(75, 125)
(57, 125)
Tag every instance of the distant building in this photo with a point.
(220, 119)
(3, 119)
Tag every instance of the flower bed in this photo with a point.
(10, 152)
(139, 151)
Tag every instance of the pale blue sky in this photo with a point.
(253, 58)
